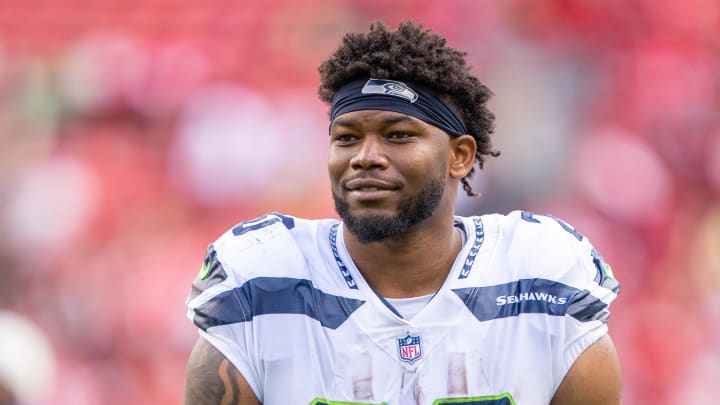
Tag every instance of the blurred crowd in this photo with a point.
(133, 133)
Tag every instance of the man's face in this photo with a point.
(387, 172)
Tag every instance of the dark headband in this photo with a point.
(390, 95)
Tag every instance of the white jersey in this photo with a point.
(281, 298)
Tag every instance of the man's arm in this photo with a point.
(594, 378)
(211, 379)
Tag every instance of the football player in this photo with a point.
(403, 302)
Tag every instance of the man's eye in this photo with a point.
(345, 138)
(399, 135)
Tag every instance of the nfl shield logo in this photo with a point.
(409, 348)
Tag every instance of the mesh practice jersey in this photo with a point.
(281, 298)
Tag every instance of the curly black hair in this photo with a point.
(417, 55)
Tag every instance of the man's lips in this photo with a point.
(369, 185)
(370, 188)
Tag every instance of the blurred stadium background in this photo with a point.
(132, 133)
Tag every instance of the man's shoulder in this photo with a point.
(274, 263)
(530, 232)
(529, 261)
(271, 245)
(532, 245)
(270, 232)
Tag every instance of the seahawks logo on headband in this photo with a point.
(390, 88)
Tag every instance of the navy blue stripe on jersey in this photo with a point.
(343, 269)
(607, 282)
(536, 296)
(585, 307)
(275, 295)
(479, 239)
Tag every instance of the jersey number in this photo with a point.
(262, 222)
(530, 217)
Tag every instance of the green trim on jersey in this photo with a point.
(607, 270)
(483, 400)
(204, 271)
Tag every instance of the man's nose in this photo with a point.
(370, 154)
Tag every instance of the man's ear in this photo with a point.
(461, 156)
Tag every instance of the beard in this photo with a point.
(411, 211)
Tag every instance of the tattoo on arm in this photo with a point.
(212, 379)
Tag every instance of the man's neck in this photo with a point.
(414, 264)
